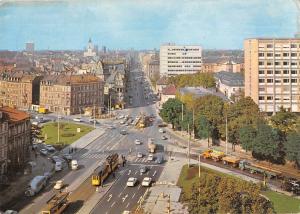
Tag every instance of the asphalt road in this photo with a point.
(110, 142)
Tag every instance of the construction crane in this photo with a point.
(297, 2)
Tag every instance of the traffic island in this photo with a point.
(67, 132)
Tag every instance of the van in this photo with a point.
(58, 166)
(74, 165)
(36, 184)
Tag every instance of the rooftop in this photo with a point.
(230, 78)
(169, 90)
(70, 79)
(162, 81)
(201, 92)
(14, 115)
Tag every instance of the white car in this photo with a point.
(77, 119)
(139, 155)
(164, 137)
(137, 142)
(150, 157)
(131, 182)
(146, 182)
(161, 131)
(58, 185)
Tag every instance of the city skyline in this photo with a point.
(141, 25)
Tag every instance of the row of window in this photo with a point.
(261, 54)
(277, 72)
(184, 62)
(183, 70)
(184, 57)
(277, 80)
(183, 49)
(278, 46)
(285, 63)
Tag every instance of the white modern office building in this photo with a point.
(180, 59)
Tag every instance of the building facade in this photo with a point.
(15, 140)
(272, 68)
(19, 90)
(231, 66)
(91, 50)
(180, 59)
(71, 94)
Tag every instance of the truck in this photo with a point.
(231, 160)
(151, 147)
(43, 110)
(213, 154)
(57, 204)
(255, 168)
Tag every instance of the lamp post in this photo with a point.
(57, 128)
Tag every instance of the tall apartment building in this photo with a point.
(180, 59)
(15, 129)
(20, 90)
(71, 94)
(272, 68)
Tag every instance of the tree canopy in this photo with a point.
(199, 79)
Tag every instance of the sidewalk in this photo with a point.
(165, 193)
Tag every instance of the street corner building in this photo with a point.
(71, 94)
(15, 140)
(272, 68)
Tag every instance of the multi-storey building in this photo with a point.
(180, 59)
(20, 90)
(71, 94)
(3, 144)
(272, 68)
(15, 140)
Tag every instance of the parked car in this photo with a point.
(58, 185)
(58, 166)
(111, 127)
(93, 120)
(43, 151)
(139, 155)
(146, 181)
(50, 148)
(159, 159)
(74, 164)
(143, 169)
(77, 119)
(131, 182)
(67, 157)
(55, 159)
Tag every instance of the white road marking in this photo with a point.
(109, 197)
(139, 187)
(127, 205)
(120, 194)
(133, 195)
(124, 198)
(112, 204)
(136, 172)
(154, 173)
(129, 172)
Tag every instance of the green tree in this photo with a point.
(204, 130)
(292, 148)
(187, 121)
(171, 112)
(246, 136)
(284, 121)
(267, 145)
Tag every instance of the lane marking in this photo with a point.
(109, 197)
(154, 173)
(113, 204)
(129, 172)
(133, 195)
(127, 205)
(124, 198)
(120, 194)
(139, 187)
(136, 172)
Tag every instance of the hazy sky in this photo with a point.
(144, 24)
